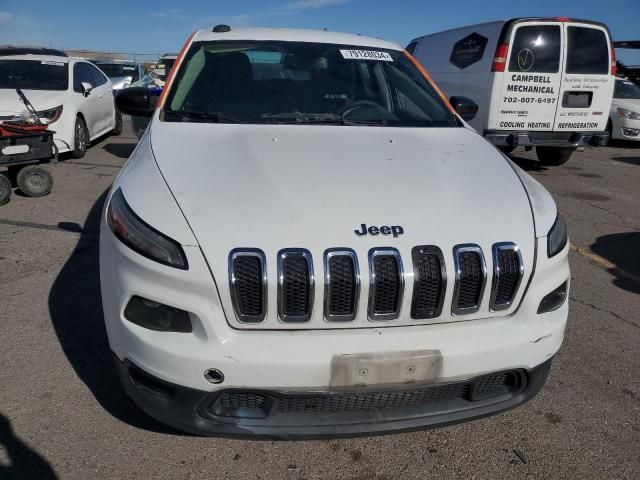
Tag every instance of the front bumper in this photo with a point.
(519, 138)
(305, 414)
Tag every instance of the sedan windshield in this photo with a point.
(626, 89)
(116, 70)
(34, 74)
(303, 83)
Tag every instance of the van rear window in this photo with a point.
(588, 51)
(536, 48)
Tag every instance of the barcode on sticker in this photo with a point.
(366, 55)
(57, 64)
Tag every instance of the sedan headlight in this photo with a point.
(557, 237)
(140, 237)
(628, 114)
(49, 116)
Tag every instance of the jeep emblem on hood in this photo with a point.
(395, 230)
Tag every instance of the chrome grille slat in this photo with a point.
(508, 270)
(248, 284)
(471, 278)
(295, 285)
(429, 282)
(342, 285)
(386, 284)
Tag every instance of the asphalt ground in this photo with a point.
(64, 415)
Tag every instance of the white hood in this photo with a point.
(283, 186)
(628, 103)
(10, 103)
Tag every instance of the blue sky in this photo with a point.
(163, 25)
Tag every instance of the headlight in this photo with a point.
(140, 237)
(49, 116)
(628, 114)
(557, 237)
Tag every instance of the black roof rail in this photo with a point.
(10, 50)
(635, 44)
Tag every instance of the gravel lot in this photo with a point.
(64, 415)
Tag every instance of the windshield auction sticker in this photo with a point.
(56, 64)
(366, 55)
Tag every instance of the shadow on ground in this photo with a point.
(623, 250)
(120, 150)
(629, 160)
(22, 461)
(528, 165)
(75, 306)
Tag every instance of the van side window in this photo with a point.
(536, 49)
(588, 51)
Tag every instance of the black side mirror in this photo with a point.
(465, 107)
(136, 101)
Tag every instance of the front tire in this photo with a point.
(117, 130)
(80, 139)
(5, 189)
(34, 181)
(554, 156)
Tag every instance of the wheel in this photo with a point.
(80, 139)
(553, 156)
(506, 149)
(34, 181)
(117, 130)
(5, 189)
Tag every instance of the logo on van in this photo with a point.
(525, 59)
(468, 50)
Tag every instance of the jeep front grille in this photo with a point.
(342, 302)
(248, 284)
(295, 285)
(386, 283)
(429, 282)
(471, 277)
(342, 285)
(507, 275)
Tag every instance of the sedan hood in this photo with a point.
(10, 103)
(282, 186)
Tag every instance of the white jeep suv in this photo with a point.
(71, 95)
(310, 241)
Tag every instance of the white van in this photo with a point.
(543, 82)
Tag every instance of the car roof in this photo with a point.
(37, 58)
(295, 35)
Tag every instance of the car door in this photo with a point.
(587, 83)
(531, 84)
(90, 104)
(104, 91)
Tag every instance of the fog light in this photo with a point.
(553, 300)
(156, 316)
(213, 375)
(630, 132)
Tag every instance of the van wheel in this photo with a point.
(553, 156)
(5, 189)
(34, 181)
(117, 130)
(506, 149)
(80, 139)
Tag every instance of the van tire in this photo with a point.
(80, 138)
(5, 189)
(553, 156)
(506, 149)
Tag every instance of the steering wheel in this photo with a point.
(349, 109)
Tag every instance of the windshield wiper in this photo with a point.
(192, 115)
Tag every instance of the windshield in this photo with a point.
(301, 83)
(626, 89)
(34, 74)
(115, 70)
